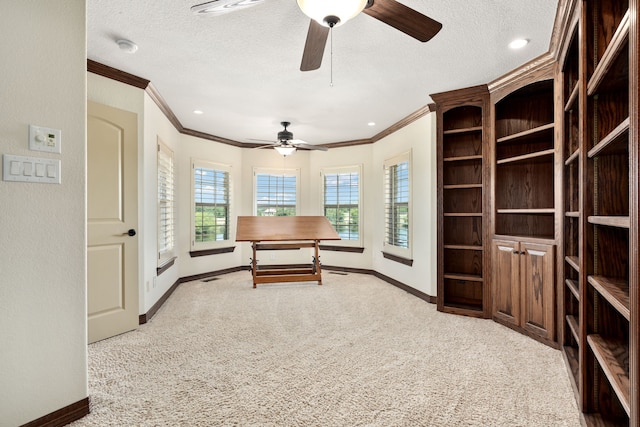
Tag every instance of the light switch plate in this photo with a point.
(30, 169)
(45, 139)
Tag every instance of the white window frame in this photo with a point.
(206, 164)
(389, 247)
(342, 170)
(166, 241)
(275, 172)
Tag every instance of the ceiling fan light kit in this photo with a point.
(285, 150)
(331, 13)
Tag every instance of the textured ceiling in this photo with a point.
(242, 69)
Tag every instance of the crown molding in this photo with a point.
(147, 86)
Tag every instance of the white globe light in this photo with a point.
(327, 12)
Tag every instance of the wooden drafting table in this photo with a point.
(286, 232)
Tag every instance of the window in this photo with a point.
(397, 206)
(341, 193)
(276, 192)
(166, 212)
(211, 204)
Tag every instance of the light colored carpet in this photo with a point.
(353, 352)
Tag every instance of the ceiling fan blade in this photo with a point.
(314, 46)
(265, 146)
(308, 146)
(404, 18)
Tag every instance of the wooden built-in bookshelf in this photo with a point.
(462, 179)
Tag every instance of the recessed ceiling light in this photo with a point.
(197, 111)
(371, 123)
(127, 45)
(217, 7)
(518, 43)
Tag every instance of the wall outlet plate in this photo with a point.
(45, 139)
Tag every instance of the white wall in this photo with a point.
(348, 156)
(43, 363)
(200, 149)
(420, 137)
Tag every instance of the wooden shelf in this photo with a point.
(573, 287)
(461, 186)
(574, 262)
(573, 326)
(596, 420)
(465, 277)
(614, 290)
(462, 130)
(463, 214)
(525, 133)
(573, 157)
(618, 41)
(613, 357)
(526, 211)
(524, 157)
(462, 158)
(616, 141)
(572, 359)
(464, 247)
(572, 97)
(572, 214)
(610, 221)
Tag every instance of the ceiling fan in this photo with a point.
(326, 14)
(286, 145)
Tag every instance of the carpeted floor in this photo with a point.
(353, 352)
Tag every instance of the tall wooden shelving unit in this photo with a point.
(525, 202)
(605, 268)
(598, 71)
(463, 285)
(571, 131)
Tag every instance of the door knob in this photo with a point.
(131, 232)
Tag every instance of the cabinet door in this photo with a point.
(506, 281)
(537, 274)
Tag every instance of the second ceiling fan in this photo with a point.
(326, 14)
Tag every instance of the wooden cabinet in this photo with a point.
(462, 203)
(523, 286)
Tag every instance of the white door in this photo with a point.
(112, 221)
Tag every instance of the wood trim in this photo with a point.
(538, 69)
(167, 265)
(164, 107)
(216, 251)
(115, 74)
(63, 416)
(413, 291)
(219, 139)
(474, 95)
(404, 122)
(213, 273)
(567, 16)
(335, 248)
(144, 318)
(396, 258)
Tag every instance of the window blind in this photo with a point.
(166, 209)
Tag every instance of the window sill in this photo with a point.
(165, 265)
(336, 248)
(215, 251)
(396, 258)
